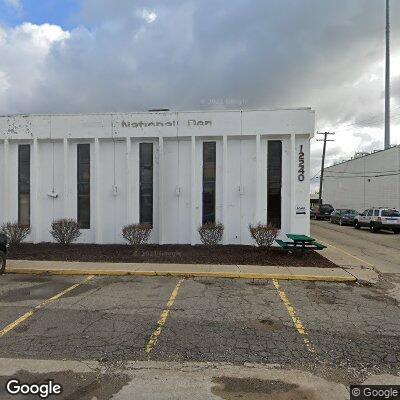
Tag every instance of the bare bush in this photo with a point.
(65, 231)
(211, 233)
(264, 235)
(137, 234)
(15, 232)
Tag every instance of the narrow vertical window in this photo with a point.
(84, 186)
(274, 182)
(209, 171)
(24, 184)
(146, 183)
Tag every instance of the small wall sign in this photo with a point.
(300, 210)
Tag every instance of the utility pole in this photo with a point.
(387, 79)
(321, 178)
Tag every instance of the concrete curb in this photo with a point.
(205, 274)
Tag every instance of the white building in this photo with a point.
(371, 180)
(172, 169)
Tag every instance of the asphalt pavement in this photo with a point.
(380, 250)
(337, 333)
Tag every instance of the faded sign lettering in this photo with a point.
(148, 124)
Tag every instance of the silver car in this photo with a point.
(379, 218)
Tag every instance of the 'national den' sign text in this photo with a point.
(142, 124)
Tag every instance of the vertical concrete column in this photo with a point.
(6, 189)
(293, 169)
(259, 187)
(129, 208)
(193, 199)
(66, 195)
(35, 207)
(161, 172)
(97, 194)
(225, 186)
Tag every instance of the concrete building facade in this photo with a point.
(175, 170)
(372, 180)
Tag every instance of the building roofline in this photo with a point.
(154, 112)
(366, 155)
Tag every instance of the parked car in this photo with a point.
(379, 218)
(343, 216)
(323, 211)
(3, 252)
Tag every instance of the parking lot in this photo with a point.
(336, 332)
(381, 250)
(339, 330)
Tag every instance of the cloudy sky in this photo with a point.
(128, 55)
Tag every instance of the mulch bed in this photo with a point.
(183, 254)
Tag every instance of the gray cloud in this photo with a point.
(266, 53)
(212, 54)
(363, 136)
(396, 89)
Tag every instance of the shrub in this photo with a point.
(65, 231)
(136, 234)
(15, 232)
(264, 235)
(211, 233)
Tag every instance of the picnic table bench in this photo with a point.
(300, 244)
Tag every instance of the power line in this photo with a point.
(374, 119)
(361, 176)
(362, 172)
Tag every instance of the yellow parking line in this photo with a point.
(345, 252)
(163, 318)
(27, 315)
(296, 320)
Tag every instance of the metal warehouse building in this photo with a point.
(372, 180)
(175, 170)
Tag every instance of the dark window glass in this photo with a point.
(209, 172)
(376, 213)
(24, 183)
(146, 183)
(274, 182)
(84, 186)
(390, 213)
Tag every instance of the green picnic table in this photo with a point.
(300, 243)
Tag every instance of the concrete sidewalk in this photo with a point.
(183, 270)
(363, 270)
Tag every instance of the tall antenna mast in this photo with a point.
(387, 79)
